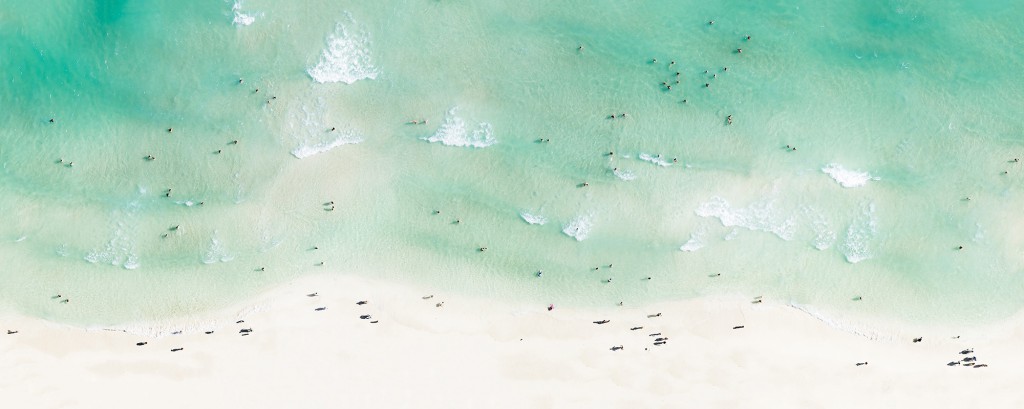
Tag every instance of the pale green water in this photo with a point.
(924, 96)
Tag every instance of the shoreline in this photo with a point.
(472, 353)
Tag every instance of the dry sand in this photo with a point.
(473, 353)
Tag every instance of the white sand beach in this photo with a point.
(475, 354)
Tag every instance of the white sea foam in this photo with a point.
(241, 19)
(347, 56)
(187, 203)
(979, 233)
(760, 216)
(579, 227)
(20, 239)
(840, 325)
(343, 138)
(454, 132)
(696, 241)
(824, 236)
(312, 134)
(533, 218)
(856, 245)
(216, 252)
(846, 177)
(119, 251)
(732, 235)
(624, 174)
(655, 159)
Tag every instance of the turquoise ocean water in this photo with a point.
(899, 112)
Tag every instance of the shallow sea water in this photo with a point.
(899, 110)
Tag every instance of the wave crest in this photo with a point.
(847, 178)
(454, 132)
(760, 216)
(347, 56)
(241, 19)
(579, 227)
(533, 218)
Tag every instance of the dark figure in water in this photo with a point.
(177, 349)
(738, 327)
(602, 322)
(617, 348)
(636, 328)
(361, 303)
(918, 339)
(320, 308)
(862, 363)
(364, 317)
(141, 343)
